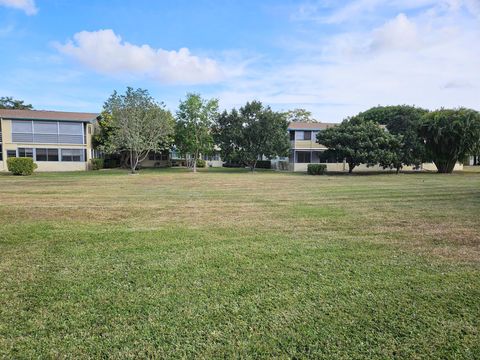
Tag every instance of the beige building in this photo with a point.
(305, 150)
(55, 140)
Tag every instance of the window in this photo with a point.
(72, 155)
(25, 152)
(303, 157)
(11, 153)
(292, 135)
(19, 126)
(307, 135)
(48, 132)
(46, 154)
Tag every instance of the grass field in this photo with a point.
(233, 264)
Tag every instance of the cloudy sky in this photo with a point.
(334, 58)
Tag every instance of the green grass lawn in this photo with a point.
(225, 264)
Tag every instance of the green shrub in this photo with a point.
(264, 164)
(317, 169)
(21, 166)
(96, 164)
(201, 163)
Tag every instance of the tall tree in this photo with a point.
(300, 115)
(402, 120)
(360, 142)
(252, 132)
(450, 135)
(137, 125)
(193, 134)
(7, 102)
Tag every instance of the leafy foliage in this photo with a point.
(7, 102)
(300, 115)
(360, 142)
(136, 124)
(21, 166)
(97, 164)
(316, 169)
(401, 120)
(254, 131)
(450, 135)
(195, 118)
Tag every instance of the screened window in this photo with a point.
(292, 135)
(21, 126)
(304, 157)
(45, 127)
(48, 132)
(70, 128)
(11, 153)
(307, 135)
(46, 154)
(25, 152)
(72, 155)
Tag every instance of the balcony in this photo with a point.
(305, 144)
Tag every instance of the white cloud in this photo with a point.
(429, 59)
(106, 53)
(28, 6)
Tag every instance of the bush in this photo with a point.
(317, 169)
(201, 163)
(21, 166)
(97, 164)
(264, 164)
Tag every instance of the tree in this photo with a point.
(402, 120)
(137, 125)
(360, 142)
(450, 135)
(252, 132)
(300, 115)
(195, 118)
(7, 102)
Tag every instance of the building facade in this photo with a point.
(56, 141)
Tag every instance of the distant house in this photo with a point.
(304, 148)
(55, 140)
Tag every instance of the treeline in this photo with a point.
(407, 136)
(134, 124)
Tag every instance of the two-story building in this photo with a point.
(305, 150)
(55, 140)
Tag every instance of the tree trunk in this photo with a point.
(133, 162)
(445, 166)
(253, 166)
(350, 168)
(398, 170)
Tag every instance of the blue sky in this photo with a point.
(334, 58)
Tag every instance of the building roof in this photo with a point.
(47, 115)
(309, 126)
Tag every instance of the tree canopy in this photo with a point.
(402, 120)
(254, 131)
(136, 124)
(299, 115)
(7, 102)
(193, 132)
(450, 135)
(360, 142)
